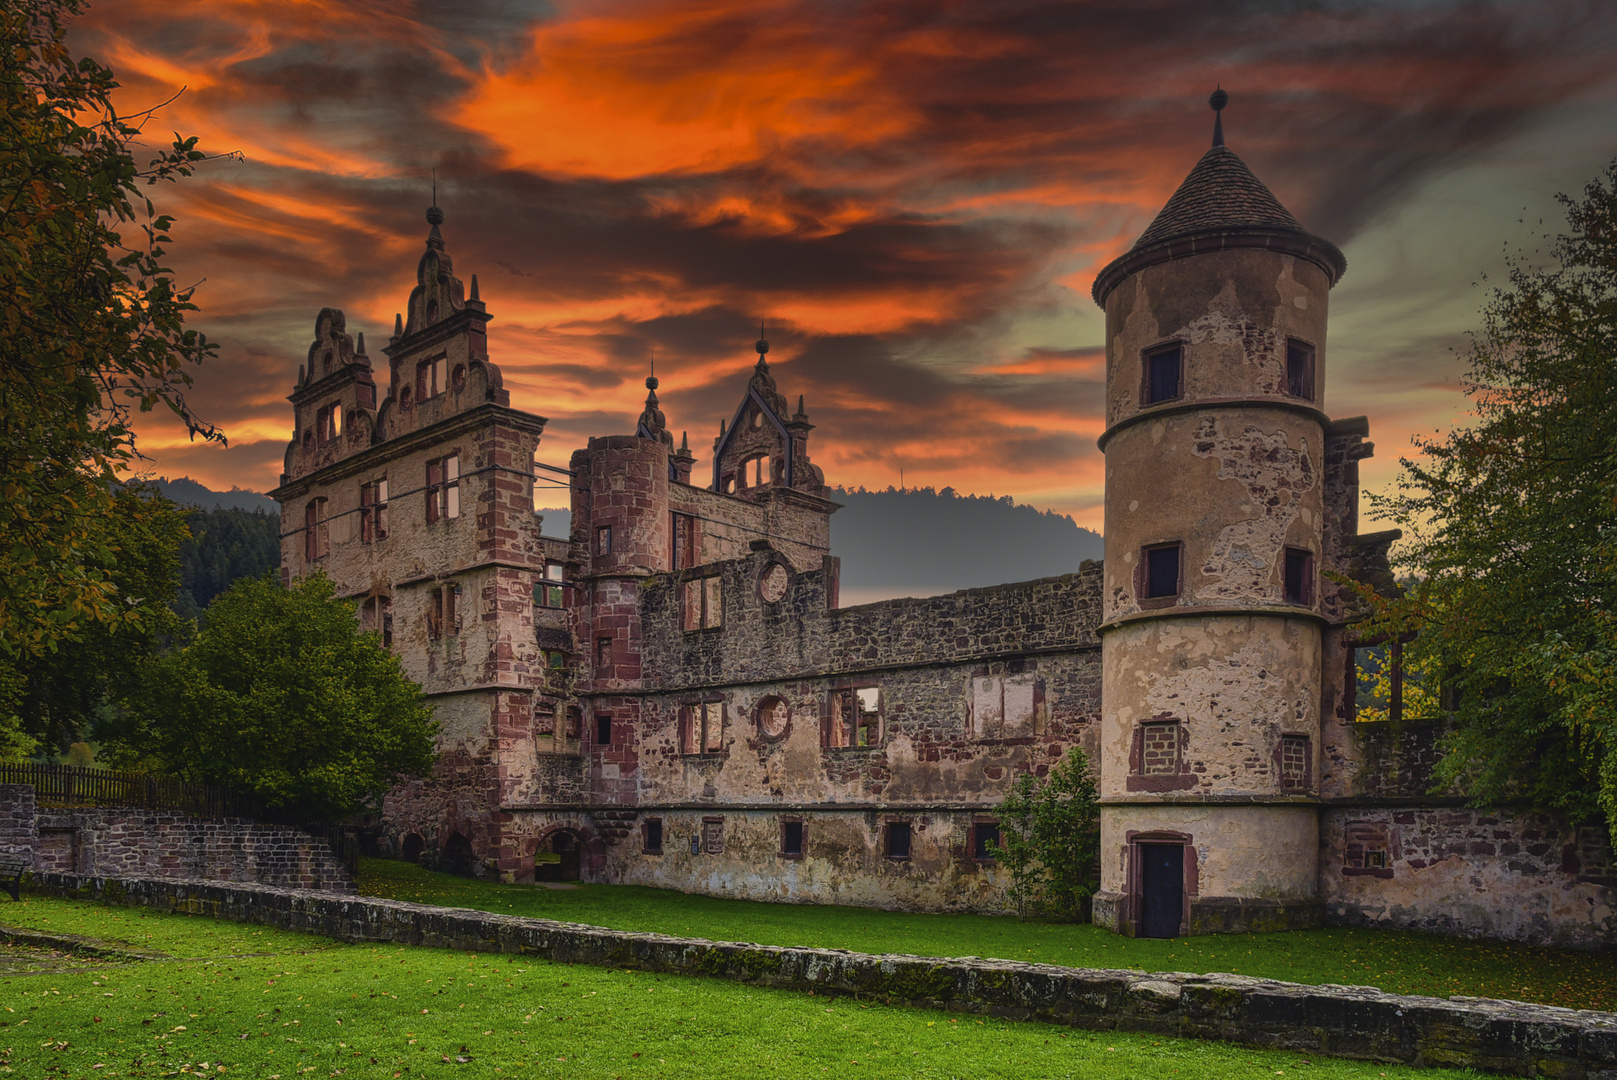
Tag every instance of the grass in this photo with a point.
(1393, 960)
(253, 1002)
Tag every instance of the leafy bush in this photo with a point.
(1050, 839)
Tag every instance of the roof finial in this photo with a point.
(1218, 101)
(435, 216)
(651, 380)
(761, 345)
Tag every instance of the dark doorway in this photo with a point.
(414, 845)
(1162, 889)
(458, 857)
(559, 858)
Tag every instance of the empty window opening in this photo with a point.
(1161, 571)
(713, 835)
(756, 471)
(774, 717)
(376, 615)
(443, 488)
(1378, 688)
(702, 727)
(791, 839)
(1299, 370)
(316, 538)
(429, 378)
(555, 668)
(1299, 576)
(1294, 762)
(729, 484)
(898, 840)
(856, 717)
(1159, 748)
(328, 423)
(373, 511)
(985, 841)
(703, 603)
(651, 837)
(1162, 371)
(546, 594)
(1004, 706)
(603, 540)
(685, 542)
(603, 730)
(443, 613)
(573, 722)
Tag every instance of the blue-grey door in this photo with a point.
(1162, 889)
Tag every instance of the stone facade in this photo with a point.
(673, 695)
(127, 842)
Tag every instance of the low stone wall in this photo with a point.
(1342, 1021)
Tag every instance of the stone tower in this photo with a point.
(1213, 635)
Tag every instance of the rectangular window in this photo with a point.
(373, 511)
(1375, 682)
(328, 423)
(1159, 748)
(651, 837)
(603, 653)
(316, 538)
(855, 717)
(603, 540)
(555, 668)
(985, 841)
(713, 835)
(703, 603)
(1161, 376)
(1161, 571)
(702, 728)
(791, 839)
(603, 730)
(443, 488)
(443, 613)
(429, 378)
(546, 594)
(685, 553)
(1299, 370)
(1294, 762)
(1299, 576)
(898, 840)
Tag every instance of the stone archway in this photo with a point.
(411, 847)
(583, 854)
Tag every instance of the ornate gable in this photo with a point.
(764, 447)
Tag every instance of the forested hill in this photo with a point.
(188, 492)
(226, 544)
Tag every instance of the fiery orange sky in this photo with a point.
(914, 195)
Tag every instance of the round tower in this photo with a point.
(1212, 633)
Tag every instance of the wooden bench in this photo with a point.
(12, 869)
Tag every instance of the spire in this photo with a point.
(398, 326)
(653, 425)
(762, 346)
(359, 350)
(475, 295)
(1218, 101)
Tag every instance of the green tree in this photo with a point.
(1050, 839)
(281, 694)
(226, 545)
(1512, 535)
(91, 330)
(67, 689)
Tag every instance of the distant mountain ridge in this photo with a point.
(897, 542)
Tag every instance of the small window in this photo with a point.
(1162, 371)
(316, 538)
(373, 511)
(443, 613)
(702, 728)
(1161, 571)
(703, 603)
(328, 423)
(603, 730)
(898, 840)
(1299, 576)
(685, 542)
(443, 488)
(713, 835)
(1299, 370)
(1159, 748)
(985, 841)
(651, 837)
(603, 653)
(546, 594)
(855, 717)
(429, 378)
(1294, 762)
(603, 540)
(791, 839)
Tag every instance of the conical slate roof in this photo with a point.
(1219, 194)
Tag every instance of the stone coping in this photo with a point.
(1511, 1037)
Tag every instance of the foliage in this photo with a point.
(265, 1003)
(1512, 522)
(226, 545)
(67, 689)
(1050, 838)
(91, 329)
(282, 695)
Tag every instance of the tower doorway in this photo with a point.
(1162, 889)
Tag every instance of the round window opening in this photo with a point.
(757, 419)
(458, 377)
(772, 586)
(774, 718)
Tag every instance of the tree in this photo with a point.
(1512, 526)
(91, 329)
(1050, 838)
(282, 695)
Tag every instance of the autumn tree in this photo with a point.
(1512, 526)
(91, 331)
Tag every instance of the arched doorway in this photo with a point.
(412, 847)
(559, 857)
(457, 856)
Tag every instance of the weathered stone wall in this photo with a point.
(110, 841)
(1507, 1037)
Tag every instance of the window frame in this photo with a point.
(786, 824)
(842, 732)
(1300, 371)
(890, 831)
(1142, 584)
(373, 511)
(316, 530)
(443, 488)
(1303, 559)
(431, 377)
(646, 831)
(548, 590)
(686, 541)
(1147, 371)
(701, 727)
(701, 602)
(603, 724)
(979, 831)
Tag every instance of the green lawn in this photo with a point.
(246, 1001)
(1394, 960)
